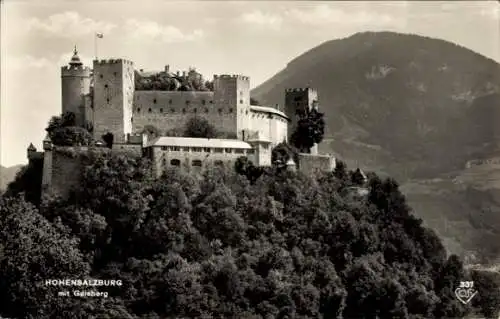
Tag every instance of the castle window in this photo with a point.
(218, 150)
(172, 110)
(241, 101)
(196, 149)
(230, 110)
(106, 86)
(219, 163)
(246, 112)
(195, 110)
(206, 110)
(161, 110)
(239, 151)
(251, 151)
(149, 110)
(138, 109)
(196, 163)
(154, 101)
(183, 110)
(114, 73)
(220, 110)
(241, 93)
(100, 75)
(228, 150)
(107, 100)
(175, 148)
(187, 102)
(164, 148)
(206, 149)
(211, 102)
(175, 162)
(169, 101)
(203, 102)
(185, 149)
(298, 98)
(164, 161)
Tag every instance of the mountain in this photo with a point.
(415, 108)
(7, 175)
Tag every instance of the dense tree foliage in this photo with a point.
(218, 245)
(28, 182)
(63, 131)
(282, 153)
(193, 81)
(309, 131)
(200, 127)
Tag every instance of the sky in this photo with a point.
(256, 39)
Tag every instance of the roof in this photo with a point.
(198, 142)
(267, 109)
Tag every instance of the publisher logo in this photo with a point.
(465, 292)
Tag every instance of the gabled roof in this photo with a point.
(198, 142)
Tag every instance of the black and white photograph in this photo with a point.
(249, 159)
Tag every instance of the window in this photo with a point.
(185, 149)
(229, 150)
(195, 110)
(211, 102)
(241, 101)
(241, 93)
(149, 110)
(164, 161)
(175, 148)
(251, 151)
(175, 162)
(203, 102)
(169, 101)
(138, 109)
(100, 75)
(218, 150)
(196, 149)
(172, 110)
(196, 163)
(161, 110)
(220, 110)
(154, 101)
(206, 149)
(230, 110)
(114, 73)
(219, 163)
(106, 86)
(206, 110)
(164, 148)
(107, 100)
(188, 102)
(239, 151)
(183, 110)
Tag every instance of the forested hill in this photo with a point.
(410, 105)
(223, 245)
(417, 109)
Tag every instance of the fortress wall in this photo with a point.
(272, 126)
(66, 171)
(174, 108)
(310, 164)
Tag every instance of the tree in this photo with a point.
(199, 127)
(309, 131)
(151, 131)
(63, 131)
(108, 138)
(282, 153)
(28, 181)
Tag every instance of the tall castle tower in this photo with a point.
(75, 80)
(232, 94)
(297, 103)
(113, 98)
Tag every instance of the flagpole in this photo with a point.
(95, 45)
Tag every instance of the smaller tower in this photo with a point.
(47, 165)
(298, 102)
(31, 151)
(75, 87)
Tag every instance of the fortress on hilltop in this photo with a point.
(115, 98)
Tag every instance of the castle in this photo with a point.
(114, 98)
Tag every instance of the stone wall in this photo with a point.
(75, 86)
(310, 164)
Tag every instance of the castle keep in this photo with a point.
(115, 98)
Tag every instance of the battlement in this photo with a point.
(113, 61)
(68, 70)
(299, 90)
(232, 76)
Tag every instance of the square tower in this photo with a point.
(298, 102)
(113, 98)
(232, 96)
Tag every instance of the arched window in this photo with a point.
(175, 162)
(196, 163)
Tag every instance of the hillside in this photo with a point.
(7, 175)
(413, 107)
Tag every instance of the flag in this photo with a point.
(99, 35)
